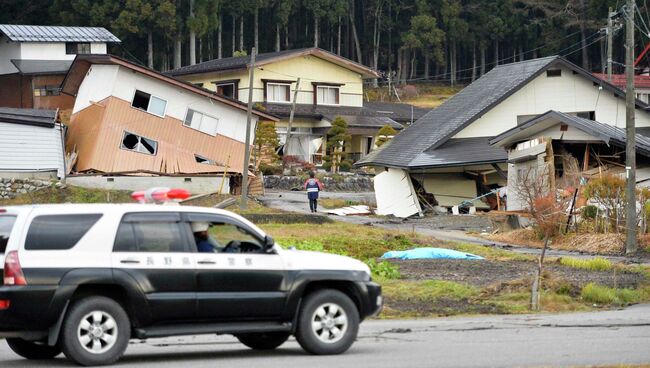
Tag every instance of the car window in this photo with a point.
(149, 237)
(227, 233)
(58, 232)
(6, 224)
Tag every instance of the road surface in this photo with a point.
(578, 339)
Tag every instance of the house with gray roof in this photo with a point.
(446, 155)
(330, 86)
(35, 59)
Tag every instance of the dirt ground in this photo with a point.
(485, 273)
(475, 223)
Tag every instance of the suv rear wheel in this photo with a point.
(263, 341)
(33, 350)
(328, 323)
(96, 331)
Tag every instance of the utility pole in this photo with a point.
(293, 109)
(247, 147)
(630, 151)
(610, 40)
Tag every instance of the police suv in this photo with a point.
(85, 279)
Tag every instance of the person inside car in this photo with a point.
(204, 242)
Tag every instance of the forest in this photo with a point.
(448, 41)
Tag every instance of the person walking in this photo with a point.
(313, 186)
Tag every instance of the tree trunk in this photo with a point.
(537, 281)
(482, 59)
(192, 37)
(376, 38)
(338, 38)
(277, 37)
(200, 59)
(583, 42)
(316, 35)
(286, 37)
(256, 20)
(354, 32)
(452, 63)
(398, 75)
(177, 52)
(150, 49)
(241, 33)
(427, 61)
(473, 62)
(219, 38)
(496, 51)
(234, 34)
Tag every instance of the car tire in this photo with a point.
(328, 323)
(95, 331)
(33, 350)
(264, 340)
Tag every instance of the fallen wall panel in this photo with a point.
(395, 194)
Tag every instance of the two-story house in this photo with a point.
(35, 59)
(330, 86)
(132, 127)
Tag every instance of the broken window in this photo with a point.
(74, 48)
(149, 103)
(204, 160)
(554, 73)
(201, 122)
(136, 143)
(591, 115)
(43, 91)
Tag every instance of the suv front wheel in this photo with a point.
(328, 323)
(96, 331)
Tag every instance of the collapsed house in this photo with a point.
(557, 147)
(130, 122)
(31, 144)
(445, 158)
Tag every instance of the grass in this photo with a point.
(603, 295)
(70, 194)
(491, 253)
(594, 264)
(331, 203)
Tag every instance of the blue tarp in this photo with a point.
(429, 253)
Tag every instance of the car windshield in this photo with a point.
(6, 224)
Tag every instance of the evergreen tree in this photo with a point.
(385, 134)
(338, 139)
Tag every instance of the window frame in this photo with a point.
(235, 87)
(122, 147)
(76, 48)
(328, 86)
(135, 91)
(14, 217)
(132, 218)
(28, 246)
(216, 130)
(277, 83)
(190, 217)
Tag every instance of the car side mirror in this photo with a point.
(268, 243)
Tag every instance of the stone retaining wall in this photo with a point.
(9, 188)
(343, 183)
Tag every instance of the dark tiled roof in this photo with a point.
(42, 66)
(400, 112)
(37, 117)
(607, 133)
(27, 33)
(355, 116)
(460, 151)
(242, 62)
(435, 127)
(439, 125)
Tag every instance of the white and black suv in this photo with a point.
(85, 279)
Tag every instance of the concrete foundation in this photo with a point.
(194, 184)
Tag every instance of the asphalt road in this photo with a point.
(578, 339)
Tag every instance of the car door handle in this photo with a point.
(130, 261)
(206, 262)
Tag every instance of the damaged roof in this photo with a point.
(353, 115)
(609, 134)
(81, 64)
(34, 117)
(243, 62)
(29, 33)
(412, 148)
(400, 112)
(34, 67)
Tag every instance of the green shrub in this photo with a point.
(594, 264)
(589, 212)
(599, 294)
(269, 169)
(383, 269)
